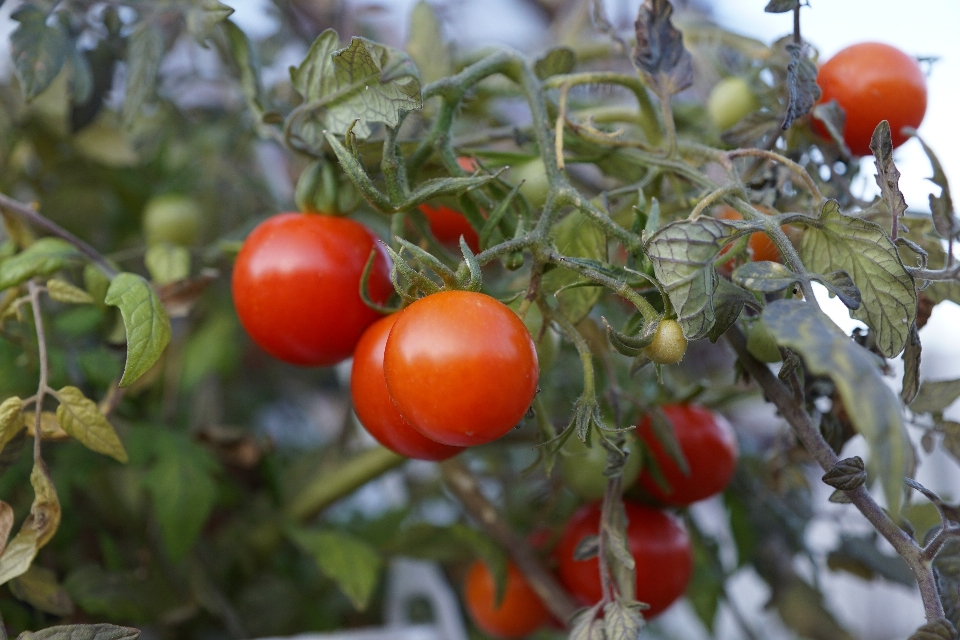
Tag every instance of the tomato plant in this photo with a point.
(583, 466)
(659, 546)
(519, 613)
(375, 408)
(872, 81)
(760, 246)
(296, 286)
(448, 225)
(708, 445)
(729, 101)
(461, 367)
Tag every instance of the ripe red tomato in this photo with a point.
(520, 612)
(296, 286)
(461, 367)
(760, 247)
(371, 400)
(873, 82)
(659, 546)
(709, 445)
(447, 225)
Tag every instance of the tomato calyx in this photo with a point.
(320, 189)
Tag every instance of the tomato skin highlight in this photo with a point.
(296, 286)
(873, 82)
(461, 367)
(659, 546)
(374, 406)
(709, 445)
(521, 612)
(447, 225)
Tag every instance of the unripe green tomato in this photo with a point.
(669, 343)
(761, 345)
(583, 466)
(730, 100)
(535, 184)
(171, 218)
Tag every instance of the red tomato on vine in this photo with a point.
(760, 247)
(296, 286)
(520, 612)
(447, 225)
(461, 367)
(375, 408)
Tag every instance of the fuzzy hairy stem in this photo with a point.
(809, 435)
(42, 386)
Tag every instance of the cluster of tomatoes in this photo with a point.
(658, 543)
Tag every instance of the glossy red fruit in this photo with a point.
(521, 612)
(447, 225)
(873, 82)
(375, 408)
(760, 247)
(296, 286)
(461, 367)
(709, 446)
(659, 546)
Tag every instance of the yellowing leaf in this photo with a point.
(37, 529)
(65, 292)
(81, 418)
(10, 423)
(50, 428)
(6, 524)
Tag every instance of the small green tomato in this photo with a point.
(535, 184)
(171, 218)
(730, 100)
(583, 466)
(668, 344)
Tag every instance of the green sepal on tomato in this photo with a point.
(461, 367)
(659, 546)
(374, 406)
(296, 286)
(709, 446)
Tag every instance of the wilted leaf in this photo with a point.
(752, 128)
(38, 587)
(203, 15)
(183, 490)
(951, 437)
(39, 49)
(37, 530)
(840, 284)
(847, 474)
(351, 563)
(42, 258)
(872, 407)
(554, 62)
(834, 119)
(835, 241)
(941, 207)
(6, 524)
(365, 82)
(426, 45)
(576, 236)
(728, 302)
(10, 421)
(144, 54)
(167, 263)
(65, 292)
(146, 323)
(587, 548)
(82, 632)
(781, 6)
(764, 277)
(802, 88)
(586, 626)
(935, 396)
(683, 254)
(50, 428)
(659, 55)
(888, 176)
(80, 417)
(911, 367)
(936, 630)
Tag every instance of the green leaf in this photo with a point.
(873, 408)
(144, 53)
(82, 632)
(203, 15)
(167, 263)
(935, 396)
(802, 88)
(145, 321)
(95, 282)
(556, 61)
(683, 254)
(728, 302)
(941, 207)
(354, 565)
(244, 56)
(65, 292)
(38, 586)
(426, 45)
(575, 236)
(42, 258)
(39, 50)
(37, 530)
(366, 83)
(10, 422)
(80, 417)
(183, 490)
(911, 367)
(764, 277)
(835, 242)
